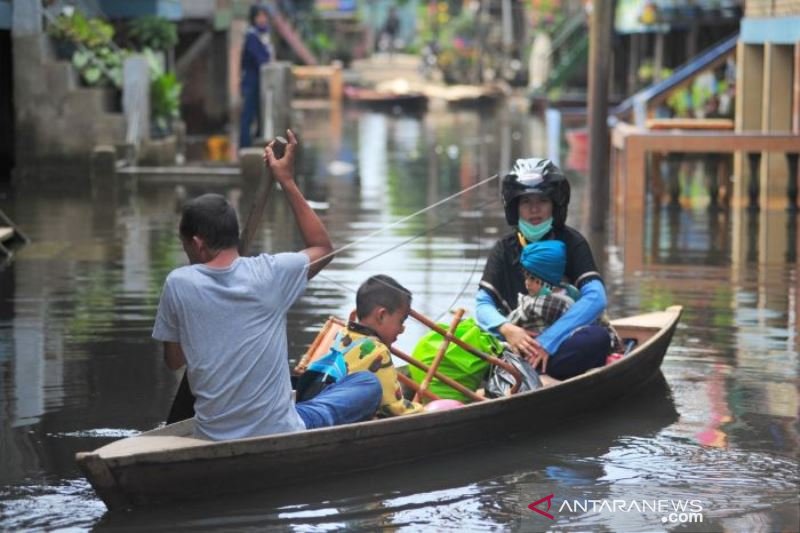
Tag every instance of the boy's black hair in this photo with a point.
(381, 291)
(211, 218)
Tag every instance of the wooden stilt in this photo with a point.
(754, 158)
(791, 188)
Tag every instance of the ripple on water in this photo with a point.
(725, 480)
(98, 433)
(69, 503)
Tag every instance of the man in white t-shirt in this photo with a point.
(224, 317)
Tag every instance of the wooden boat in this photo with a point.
(386, 99)
(167, 464)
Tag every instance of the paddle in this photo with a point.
(260, 200)
(183, 403)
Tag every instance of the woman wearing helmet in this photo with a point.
(535, 198)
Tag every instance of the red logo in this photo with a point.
(535, 509)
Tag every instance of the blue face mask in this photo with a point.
(534, 232)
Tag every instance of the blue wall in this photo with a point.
(777, 30)
(116, 9)
(5, 14)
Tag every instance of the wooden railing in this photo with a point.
(331, 73)
(631, 144)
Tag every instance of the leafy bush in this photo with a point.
(96, 58)
(153, 32)
(165, 95)
(99, 66)
(73, 26)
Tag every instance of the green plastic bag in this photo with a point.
(457, 363)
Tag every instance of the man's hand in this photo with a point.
(283, 168)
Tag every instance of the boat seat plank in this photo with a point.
(6, 233)
(148, 443)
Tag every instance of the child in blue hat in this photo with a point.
(543, 263)
(548, 297)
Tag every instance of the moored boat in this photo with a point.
(409, 101)
(167, 464)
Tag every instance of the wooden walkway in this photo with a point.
(630, 146)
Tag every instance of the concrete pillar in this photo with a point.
(276, 98)
(26, 18)
(234, 47)
(136, 98)
(104, 161)
(251, 163)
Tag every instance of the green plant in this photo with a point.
(165, 99)
(153, 32)
(102, 65)
(73, 26)
(165, 94)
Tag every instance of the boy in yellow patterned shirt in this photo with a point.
(382, 306)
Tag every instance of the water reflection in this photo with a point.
(78, 368)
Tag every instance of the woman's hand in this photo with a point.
(539, 357)
(283, 168)
(520, 339)
(523, 343)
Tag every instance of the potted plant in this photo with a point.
(152, 32)
(165, 97)
(88, 43)
(72, 30)
(100, 66)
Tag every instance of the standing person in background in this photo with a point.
(389, 30)
(257, 50)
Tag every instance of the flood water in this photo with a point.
(718, 432)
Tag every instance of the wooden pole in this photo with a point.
(601, 27)
(422, 319)
(796, 91)
(260, 201)
(441, 377)
(439, 356)
(411, 384)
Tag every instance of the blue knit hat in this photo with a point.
(545, 260)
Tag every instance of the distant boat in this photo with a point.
(168, 464)
(386, 99)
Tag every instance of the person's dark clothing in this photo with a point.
(255, 53)
(503, 278)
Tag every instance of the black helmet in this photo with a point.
(535, 176)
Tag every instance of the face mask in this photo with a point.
(534, 232)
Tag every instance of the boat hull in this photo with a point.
(161, 466)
